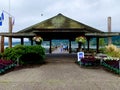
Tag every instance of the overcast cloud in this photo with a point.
(91, 12)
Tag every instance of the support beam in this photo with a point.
(97, 44)
(22, 41)
(70, 49)
(10, 31)
(2, 44)
(88, 43)
(31, 41)
(10, 42)
(50, 49)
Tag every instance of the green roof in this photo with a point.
(59, 22)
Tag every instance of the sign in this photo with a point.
(80, 55)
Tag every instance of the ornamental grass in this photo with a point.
(112, 51)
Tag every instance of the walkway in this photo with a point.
(59, 73)
(60, 50)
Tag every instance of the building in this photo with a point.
(58, 27)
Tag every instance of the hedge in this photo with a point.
(25, 54)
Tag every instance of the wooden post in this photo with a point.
(109, 30)
(2, 44)
(22, 41)
(31, 41)
(10, 31)
(88, 43)
(97, 46)
(70, 46)
(50, 49)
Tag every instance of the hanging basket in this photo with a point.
(80, 39)
(38, 40)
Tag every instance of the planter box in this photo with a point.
(112, 65)
(90, 62)
(6, 65)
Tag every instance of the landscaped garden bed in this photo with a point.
(6, 65)
(21, 55)
(25, 54)
(112, 65)
(90, 61)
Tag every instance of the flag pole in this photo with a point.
(10, 27)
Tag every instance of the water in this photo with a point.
(46, 44)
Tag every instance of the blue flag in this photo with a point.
(2, 16)
(0, 22)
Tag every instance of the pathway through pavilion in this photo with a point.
(60, 50)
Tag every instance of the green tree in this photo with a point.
(101, 42)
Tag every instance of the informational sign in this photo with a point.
(80, 55)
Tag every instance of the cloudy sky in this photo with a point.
(91, 12)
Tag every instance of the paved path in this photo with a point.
(59, 74)
(59, 50)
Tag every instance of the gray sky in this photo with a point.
(91, 12)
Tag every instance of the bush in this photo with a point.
(0, 55)
(25, 54)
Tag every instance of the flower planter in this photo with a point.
(6, 65)
(90, 62)
(111, 65)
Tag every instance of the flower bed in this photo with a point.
(6, 65)
(111, 65)
(90, 61)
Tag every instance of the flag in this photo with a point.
(2, 16)
(0, 21)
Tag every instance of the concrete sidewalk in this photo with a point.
(59, 74)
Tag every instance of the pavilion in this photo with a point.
(58, 27)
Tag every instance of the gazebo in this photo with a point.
(58, 27)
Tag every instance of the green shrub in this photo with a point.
(0, 55)
(26, 54)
